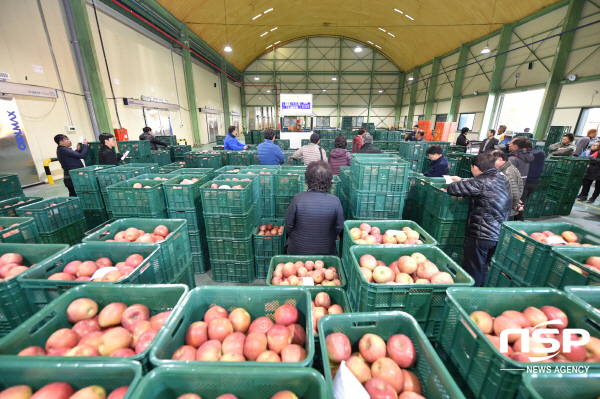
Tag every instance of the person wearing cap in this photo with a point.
(368, 147)
(508, 136)
(297, 127)
(312, 151)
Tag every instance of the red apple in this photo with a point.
(111, 314)
(145, 340)
(286, 314)
(518, 317)
(184, 353)
(137, 312)
(219, 329)
(411, 382)
(158, 320)
(262, 324)
(118, 393)
(535, 316)
(502, 323)
(378, 388)
(359, 368)
(55, 390)
(338, 347)
(81, 309)
(255, 344)
(234, 343)
(388, 370)
(33, 351)
(278, 337)
(210, 351)
(402, 350)
(293, 353)
(62, 339)
(484, 321)
(216, 312)
(268, 356)
(197, 334)
(298, 334)
(372, 347)
(554, 313)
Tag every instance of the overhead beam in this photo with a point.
(339, 78)
(458, 81)
(225, 95)
(244, 110)
(401, 78)
(558, 68)
(435, 67)
(371, 90)
(190, 88)
(413, 94)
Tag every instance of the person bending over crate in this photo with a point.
(314, 218)
(439, 163)
(148, 135)
(231, 142)
(70, 159)
(490, 201)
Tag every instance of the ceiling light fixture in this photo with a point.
(485, 50)
(273, 29)
(358, 49)
(268, 91)
(269, 46)
(256, 17)
(369, 42)
(227, 48)
(264, 34)
(377, 46)
(410, 78)
(324, 90)
(270, 9)
(409, 17)
(383, 30)
(395, 9)
(334, 78)
(391, 34)
(256, 77)
(276, 42)
(381, 91)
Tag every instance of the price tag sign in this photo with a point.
(448, 179)
(347, 386)
(553, 240)
(393, 232)
(307, 281)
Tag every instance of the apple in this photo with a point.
(293, 353)
(496, 342)
(240, 319)
(197, 334)
(403, 278)
(368, 261)
(385, 368)
(367, 274)
(111, 314)
(410, 395)
(254, 345)
(442, 278)
(387, 239)
(535, 316)
(91, 392)
(502, 323)
(401, 350)
(281, 395)
(61, 277)
(93, 339)
(593, 346)
(378, 388)
(298, 334)
(84, 327)
(55, 390)
(576, 354)
(83, 350)
(11, 257)
(401, 237)
(124, 352)
(407, 264)
(569, 236)
(484, 321)
(118, 393)
(418, 257)
(268, 356)
(137, 312)
(184, 353)
(518, 347)
(113, 276)
(219, 329)
(103, 262)
(158, 320)
(116, 338)
(359, 368)
(132, 233)
(383, 274)
(62, 339)
(134, 260)
(216, 312)
(278, 337)
(33, 351)
(518, 317)
(81, 309)
(145, 340)
(210, 351)
(372, 347)
(71, 267)
(335, 309)
(411, 382)
(338, 347)
(426, 269)
(365, 227)
(554, 313)
(17, 391)
(286, 314)
(234, 343)
(262, 324)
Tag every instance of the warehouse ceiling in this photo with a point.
(421, 30)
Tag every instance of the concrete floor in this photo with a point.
(583, 214)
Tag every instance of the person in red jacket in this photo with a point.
(357, 142)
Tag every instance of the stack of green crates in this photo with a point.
(93, 151)
(230, 218)
(378, 186)
(289, 161)
(59, 220)
(170, 168)
(170, 140)
(85, 182)
(8, 208)
(139, 151)
(244, 157)
(284, 144)
(267, 245)
(184, 201)
(266, 200)
(346, 123)
(414, 152)
(127, 201)
(554, 135)
(457, 148)
(537, 204)
(258, 136)
(566, 183)
(463, 167)
(288, 181)
(10, 187)
(161, 156)
(203, 159)
(345, 190)
(178, 151)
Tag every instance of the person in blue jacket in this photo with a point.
(231, 142)
(268, 152)
(439, 163)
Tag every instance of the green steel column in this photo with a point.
(371, 90)
(558, 68)
(307, 42)
(458, 79)
(413, 95)
(225, 95)
(339, 116)
(244, 110)
(400, 95)
(496, 80)
(435, 67)
(189, 84)
(90, 64)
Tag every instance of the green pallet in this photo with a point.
(18, 231)
(463, 347)
(136, 148)
(50, 218)
(10, 187)
(86, 179)
(227, 201)
(94, 217)
(194, 218)
(258, 301)
(267, 246)
(186, 196)
(376, 205)
(158, 298)
(174, 249)
(526, 259)
(108, 177)
(40, 291)
(562, 386)
(236, 249)
(435, 380)
(288, 179)
(379, 174)
(8, 208)
(328, 260)
(14, 308)
(161, 157)
(91, 199)
(72, 234)
(125, 199)
(422, 301)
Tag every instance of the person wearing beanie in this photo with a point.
(312, 151)
(297, 127)
(368, 147)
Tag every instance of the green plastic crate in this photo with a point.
(136, 148)
(231, 178)
(266, 246)
(435, 380)
(10, 186)
(241, 158)
(244, 382)
(200, 265)
(442, 205)
(93, 153)
(8, 208)
(224, 157)
(228, 249)
(195, 220)
(376, 205)
(196, 172)
(94, 217)
(282, 202)
(186, 196)
(91, 199)
(284, 144)
(170, 139)
(72, 234)
(587, 295)
(198, 242)
(559, 271)
(266, 205)
(127, 200)
(14, 308)
(232, 271)
(18, 231)
(526, 259)
(413, 150)
(422, 301)
(108, 177)
(550, 166)
(137, 160)
(230, 226)
(36, 330)
(573, 166)
(289, 179)
(203, 160)
(170, 169)
(175, 249)
(560, 386)
(289, 161)
(152, 176)
(258, 301)
(40, 291)
(50, 218)
(455, 252)
(333, 190)
(220, 140)
(389, 174)
(109, 375)
(329, 260)
(177, 151)
(86, 179)
(477, 366)
(227, 201)
(267, 181)
(230, 169)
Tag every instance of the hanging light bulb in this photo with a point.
(485, 50)
(411, 78)
(334, 78)
(227, 48)
(358, 49)
(256, 77)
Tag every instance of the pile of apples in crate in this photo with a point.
(77, 270)
(321, 306)
(292, 273)
(226, 186)
(564, 238)
(365, 234)
(415, 268)
(530, 319)
(132, 234)
(278, 395)
(269, 230)
(160, 178)
(61, 390)
(117, 331)
(234, 337)
(381, 367)
(18, 203)
(11, 265)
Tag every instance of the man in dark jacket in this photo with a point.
(490, 203)
(70, 159)
(439, 163)
(270, 153)
(534, 176)
(147, 135)
(106, 155)
(411, 136)
(368, 146)
(420, 136)
(489, 143)
(592, 174)
(519, 157)
(314, 218)
(462, 137)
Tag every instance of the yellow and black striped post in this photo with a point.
(47, 169)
